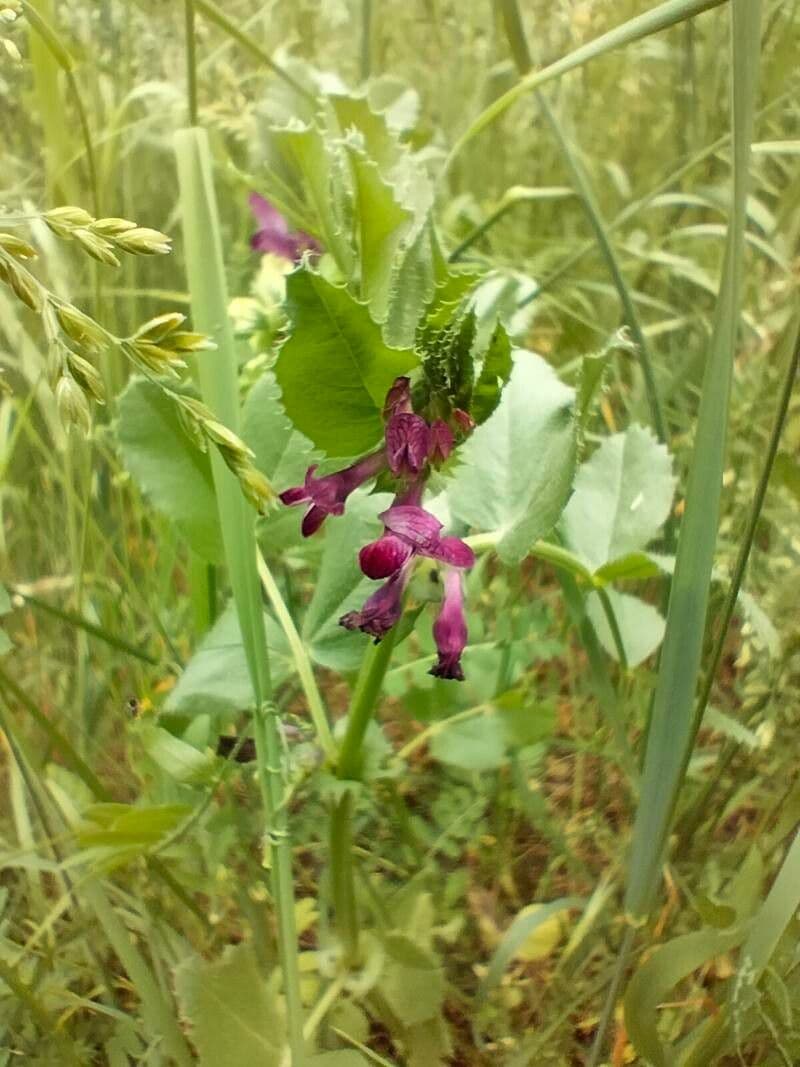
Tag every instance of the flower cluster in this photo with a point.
(412, 445)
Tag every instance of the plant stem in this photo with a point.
(316, 706)
(220, 390)
(366, 39)
(191, 62)
(611, 996)
(700, 806)
(343, 888)
(522, 58)
(362, 705)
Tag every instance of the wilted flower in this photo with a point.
(273, 234)
(407, 444)
(450, 629)
(327, 495)
(441, 441)
(383, 609)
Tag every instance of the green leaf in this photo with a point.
(382, 225)
(281, 452)
(484, 742)
(340, 1058)
(340, 586)
(335, 370)
(167, 466)
(640, 625)
(412, 287)
(494, 373)
(524, 925)
(657, 977)
(216, 679)
(518, 467)
(622, 496)
(5, 601)
(128, 825)
(414, 993)
(181, 762)
(232, 1012)
(634, 565)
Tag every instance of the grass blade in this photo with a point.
(219, 387)
(659, 18)
(673, 726)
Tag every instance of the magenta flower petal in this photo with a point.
(450, 630)
(454, 551)
(273, 234)
(407, 444)
(267, 215)
(442, 441)
(414, 524)
(327, 495)
(382, 610)
(398, 399)
(384, 557)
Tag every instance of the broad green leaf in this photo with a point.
(412, 287)
(484, 742)
(382, 225)
(340, 586)
(493, 376)
(281, 452)
(318, 162)
(181, 762)
(233, 1015)
(654, 980)
(622, 496)
(640, 625)
(216, 680)
(334, 370)
(634, 565)
(414, 993)
(517, 468)
(168, 467)
(128, 825)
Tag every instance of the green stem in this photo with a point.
(366, 39)
(220, 390)
(613, 626)
(611, 996)
(215, 14)
(362, 705)
(71, 619)
(700, 808)
(343, 888)
(522, 58)
(191, 62)
(305, 672)
(64, 60)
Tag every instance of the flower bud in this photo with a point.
(141, 241)
(23, 285)
(17, 247)
(96, 247)
(73, 407)
(86, 376)
(63, 220)
(79, 327)
(112, 227)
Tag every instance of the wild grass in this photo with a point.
(659, 157)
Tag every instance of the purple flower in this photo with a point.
(273, 234)
(409, 530)
(327, 495)
(442, 441)
(382, 610)
(398, 399)
(407, 444)
(450, 629)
